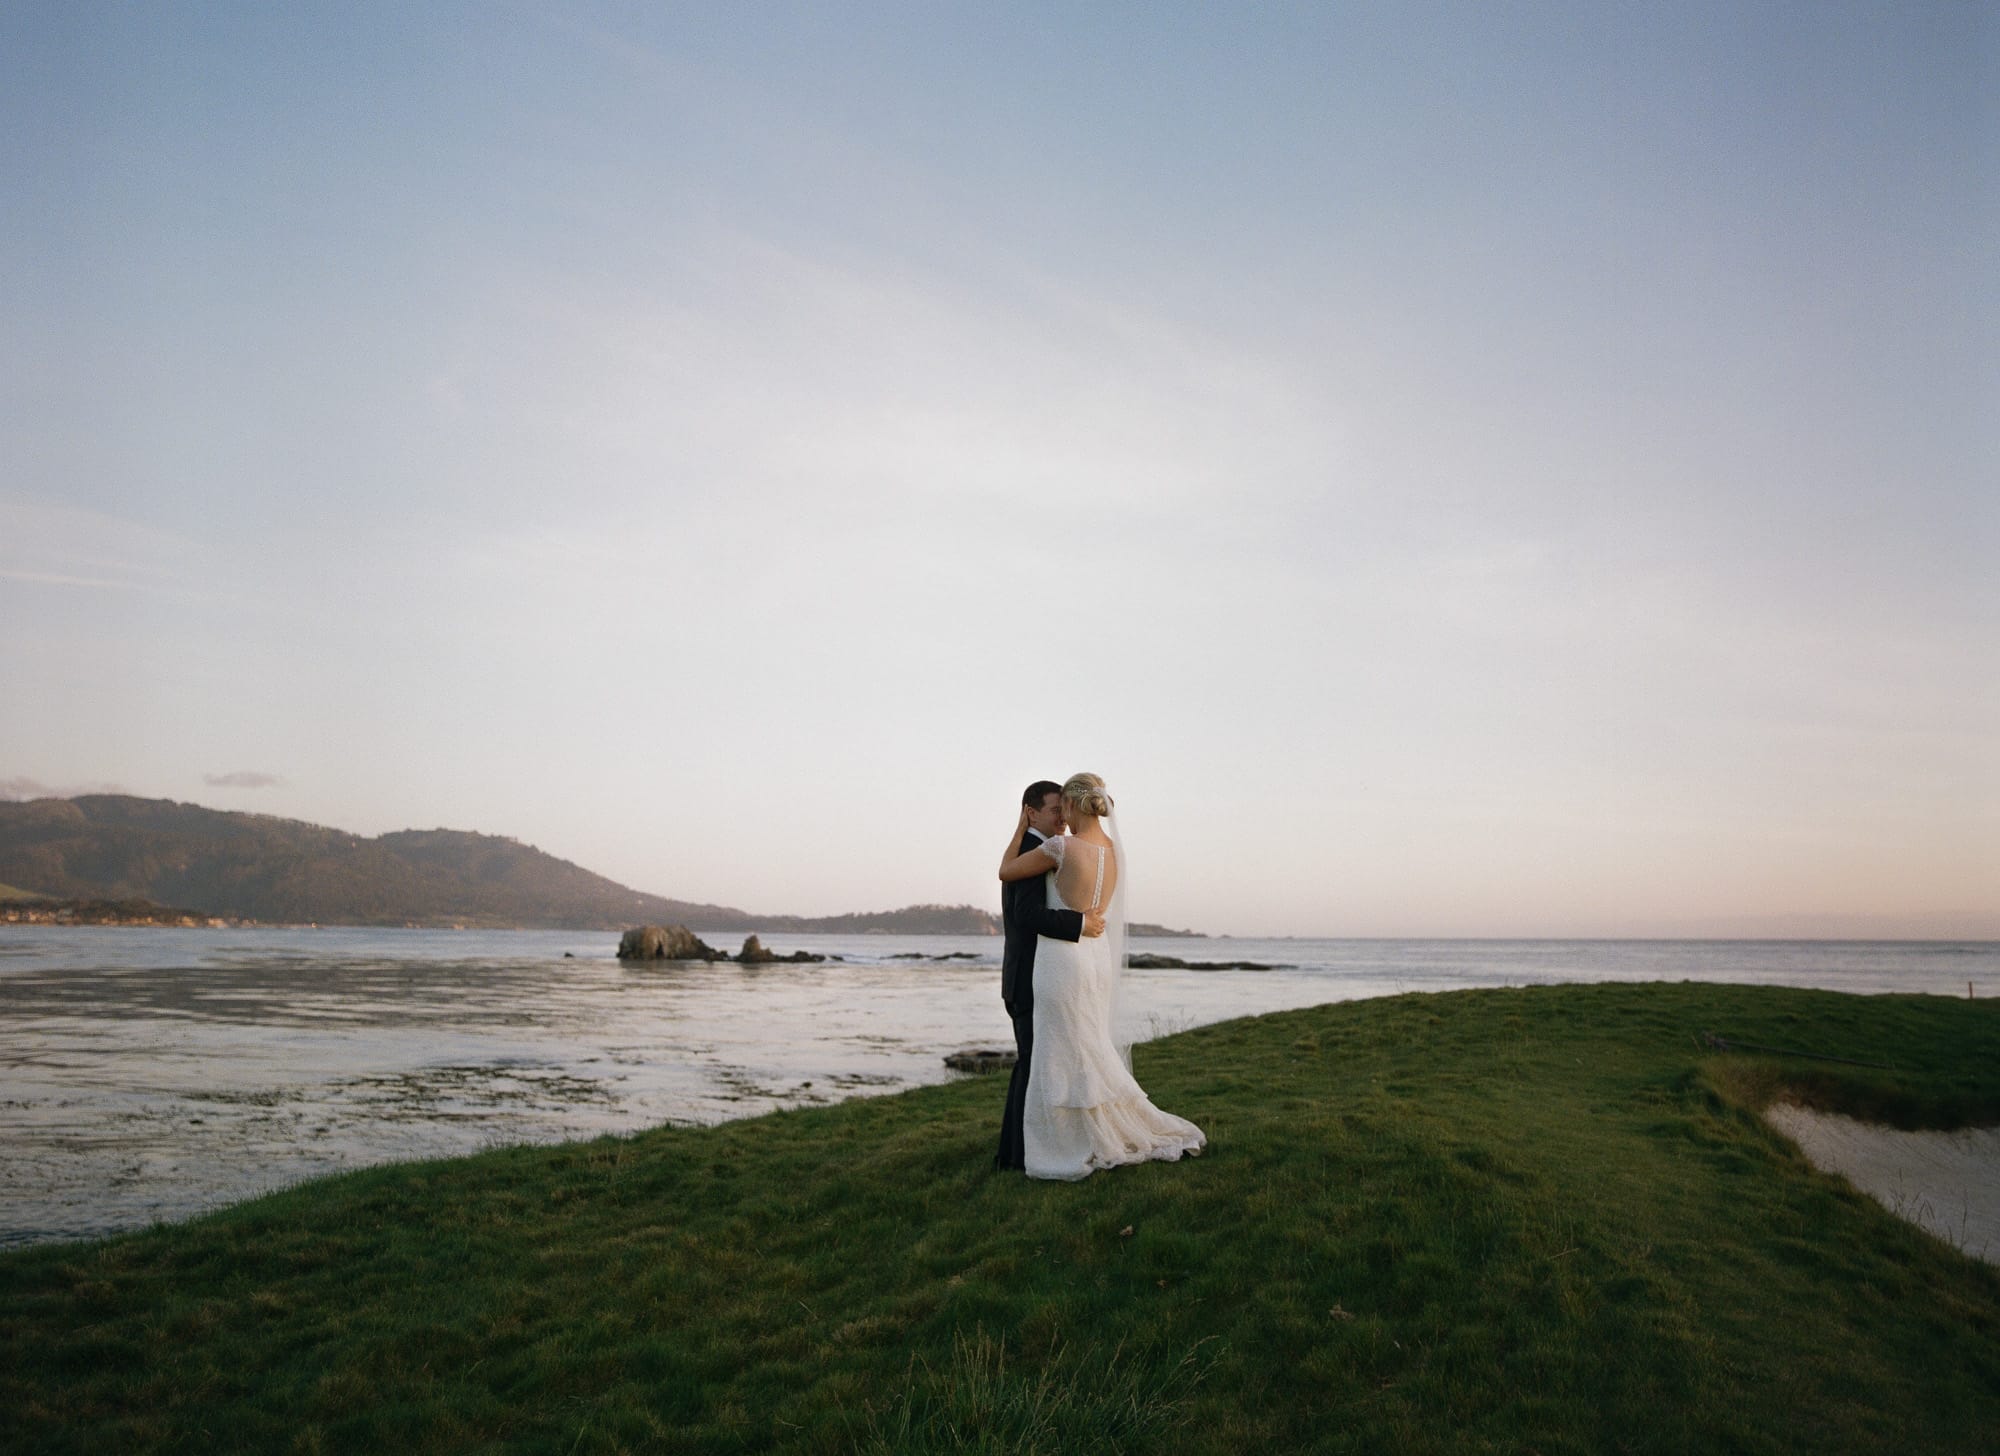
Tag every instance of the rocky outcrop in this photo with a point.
(1147, 961)
(981, 1059)
(666, 943)
(754, 954)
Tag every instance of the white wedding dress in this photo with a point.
(1084, 1111)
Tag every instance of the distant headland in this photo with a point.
(118, 859)
(18, 908)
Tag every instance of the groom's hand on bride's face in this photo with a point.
(1093, 923)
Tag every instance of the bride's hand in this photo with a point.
(1093, 923)
(1010, 853)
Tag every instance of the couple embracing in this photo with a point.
(1072, 1106)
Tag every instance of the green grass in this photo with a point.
(10, 892)
(1528, 1220)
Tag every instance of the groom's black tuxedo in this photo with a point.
(1024, 915)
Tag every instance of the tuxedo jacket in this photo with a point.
(1025, 914)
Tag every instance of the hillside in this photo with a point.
(912, 920)
(259, 867)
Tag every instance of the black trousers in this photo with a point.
(1013, 1148)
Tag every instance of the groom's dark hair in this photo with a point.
(1040, 789)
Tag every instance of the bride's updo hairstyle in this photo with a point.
(1084, 794)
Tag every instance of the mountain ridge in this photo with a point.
(265, 867)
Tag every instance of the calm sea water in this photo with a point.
(153, 1074)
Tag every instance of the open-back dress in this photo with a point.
(1084, 1110)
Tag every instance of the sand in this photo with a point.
(1947, 1183)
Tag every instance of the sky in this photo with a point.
(1454, 469)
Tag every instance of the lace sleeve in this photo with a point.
(1054, 846)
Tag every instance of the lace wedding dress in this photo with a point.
(1084, 1111)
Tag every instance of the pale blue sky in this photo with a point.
(1458, 469)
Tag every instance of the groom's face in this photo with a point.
(1047, 821)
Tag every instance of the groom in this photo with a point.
(1024, 915)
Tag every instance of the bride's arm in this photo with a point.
(1036, 861)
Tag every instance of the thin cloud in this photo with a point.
(243, 779)
(63, 546)
(51, 578)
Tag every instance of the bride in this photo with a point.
(1084, 1110)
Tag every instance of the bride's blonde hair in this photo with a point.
(1085, 794)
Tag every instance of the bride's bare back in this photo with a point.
(1086, 872)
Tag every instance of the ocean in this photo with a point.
(153, 1074)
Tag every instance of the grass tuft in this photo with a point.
(980, 1405)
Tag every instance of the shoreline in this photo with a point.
(96, 912)
(154, 1071)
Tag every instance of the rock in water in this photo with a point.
(665, 943)
(754, 954)
(980, 1059)
(1146, 960)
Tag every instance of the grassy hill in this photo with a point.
(1530, 1220)
(113, 846)
(258, 867)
